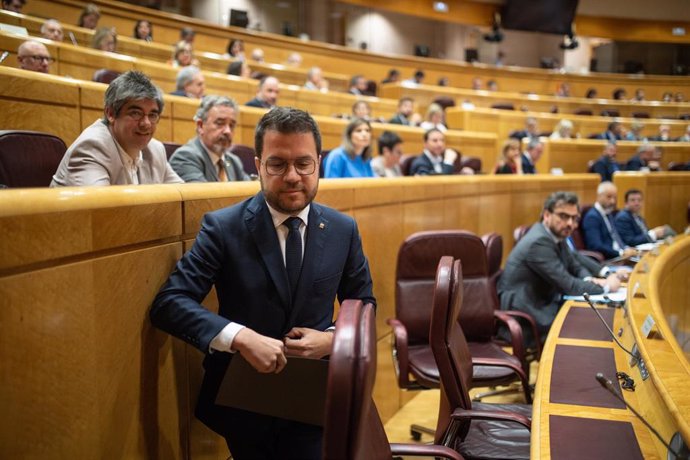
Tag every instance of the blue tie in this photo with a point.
(614, 233)
(293, 251)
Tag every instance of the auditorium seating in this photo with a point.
(247, 156)
(479, 430)
(29, 158)
(352, 426)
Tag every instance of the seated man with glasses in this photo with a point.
(33, 55)
(277, 260)
(541, 268)
(119, 149)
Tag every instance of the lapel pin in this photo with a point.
(322, 226)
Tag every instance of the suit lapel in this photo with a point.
(260, 225)
(209, 167)
(317, 231)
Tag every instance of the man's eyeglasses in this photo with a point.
(138, 115)
(303, 166)
(41, 59)
(564, 216)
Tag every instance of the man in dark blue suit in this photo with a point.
(436, 158)
(277, 261)
(606, 165)
(631, 226)
(531, 155)
(599, 228)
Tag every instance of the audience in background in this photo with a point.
(664, 134)
(387, 164)
(358, 85)
(667, 97)
(510, 161)
(353, 157)
(599, 228)
(563, 90)
(434, 118)
(52, 30)
(239, 68)
(104, 39)
(632, 227)
(563, 130)
(436, 159)
(13, 5)
(143, 30)
(476, 83)
(613, 133)
(635, 133)
(644, 159)
(492, 85)
(89, 16)
(315, 80)
(294, 60)
(685, 137)
(417, 78)
(183, 55)
(207, 157)
(187, 34)
(34, 56)
(361, 109)
(119, 149)
(442, 81)
(679, 97)
(619, 94)
(531, 156)
(267, 94)
(235, 49)
(189, 83)
(591, 93)
(531, 130)
(639, 95)
(606, 164)
(258, 55)
(406, 114)
(392, 77)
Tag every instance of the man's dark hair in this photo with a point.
(419, 74)
(129, 86)
(405, 99)
(432, 130)
(559, 198)
(632, 191)
(286, 120)
(612, 125)
(388, 139)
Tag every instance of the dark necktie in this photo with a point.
(614, 233)
(640, 223)
(293, 251)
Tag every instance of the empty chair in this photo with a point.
(29, 158)
(246, 155)
(640, 114)
(406, 164)
(474, 163)
(170, 148)
(477, 431)
(105, 76)
(352, 426)
(586, 112)
(610, 113)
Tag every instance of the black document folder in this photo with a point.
(297, 393)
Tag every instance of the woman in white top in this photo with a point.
(563, 130)
(434, 119)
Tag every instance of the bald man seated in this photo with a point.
(33, 55)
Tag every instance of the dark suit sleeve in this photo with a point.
(594, 230)
(631, 234)
(600, 168)
(356, 281)
(177, 308)
(633, 164)
(188, 165)
(544, 259)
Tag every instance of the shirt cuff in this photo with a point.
(604, 272)
(223, 341)
(330, 329)
(652, 235)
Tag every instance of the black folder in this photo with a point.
(297, 393)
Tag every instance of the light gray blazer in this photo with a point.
(93, 159)
(192, 163)
(537, 274)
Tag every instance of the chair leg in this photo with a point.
(417, 430)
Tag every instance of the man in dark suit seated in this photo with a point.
(531, 155)
(541, 268)
(267, 95)
(530, 132)
(277, 261)
(207, 157)
(613, 133)
(606, 164)
(631, 226)
(599, 228)
(435, 159)
(646, 157)
(189, 83)
(406, 114)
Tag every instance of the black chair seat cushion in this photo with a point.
(492, 440)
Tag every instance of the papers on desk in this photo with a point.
(618, 296)
(646, 246)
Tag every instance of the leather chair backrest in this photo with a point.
(475, 163)
(415, 279)
(503, 106)
(406, 164)
(493, 242)
(246, 155)
(105, 76)
(640, 114)
(578, 235)
(610, 113)
(583, 112)
(29, 158)
(170, 148)
(352, 426)
(448, 343)
(444, 101)
(371, 88)
(519, 232)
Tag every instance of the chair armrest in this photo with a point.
(519, 371)
(516, 339)
(598, 256)
(464, 414)
(532, 324)
(400, 354)
(429, 450)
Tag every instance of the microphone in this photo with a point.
(4, 55)
(637, 358)
(72, 38)
(608, 385)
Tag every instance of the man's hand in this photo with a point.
(613, 282)
(449, 156)
(659, 231)
(265, 354)
(629, 252)
(308, 343)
